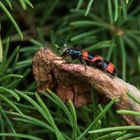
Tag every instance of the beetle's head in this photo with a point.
(66, 52)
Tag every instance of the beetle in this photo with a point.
(90, 59)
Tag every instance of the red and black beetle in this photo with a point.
(90, 59)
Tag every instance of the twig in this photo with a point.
(71, 81)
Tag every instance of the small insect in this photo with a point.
(90, 59)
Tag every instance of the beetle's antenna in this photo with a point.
(58, 48)
(62, 49)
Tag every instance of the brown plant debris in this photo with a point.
(72, 82)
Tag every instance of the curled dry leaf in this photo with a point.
(71, 81)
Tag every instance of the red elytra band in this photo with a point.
(110, 68)
(85, 55)
(96, 58)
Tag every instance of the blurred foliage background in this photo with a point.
(110, 28)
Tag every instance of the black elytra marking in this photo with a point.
(90, 55)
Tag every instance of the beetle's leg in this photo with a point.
(63, 57)
(83, 62)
